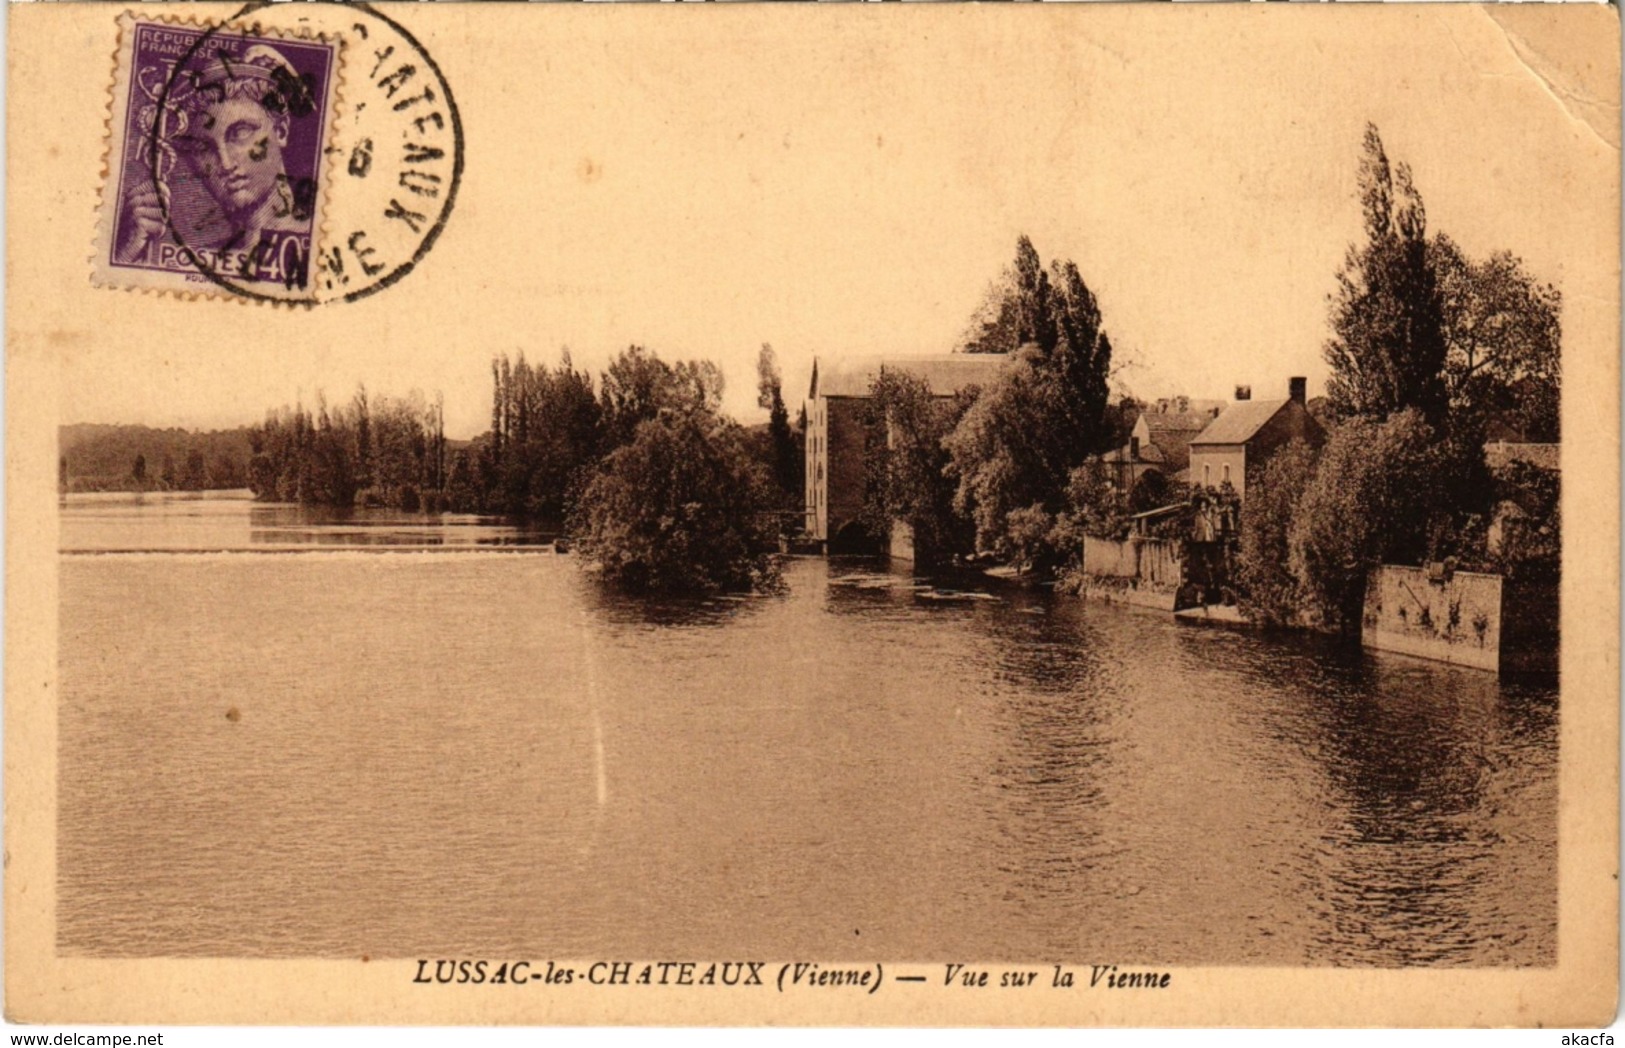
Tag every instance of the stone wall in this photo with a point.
(1152, 563)
(1108, 559)
(1456, 618)
(847, 431)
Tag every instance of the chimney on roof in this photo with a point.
(1244, 392)
(1298, 388)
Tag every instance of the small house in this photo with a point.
(1159, 442)
(1247, 433)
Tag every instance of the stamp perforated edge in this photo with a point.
(103, 273)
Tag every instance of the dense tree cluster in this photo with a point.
(141, 458)
(1015, 449)
(680, 506)
(1267, 586)
(545, 435)
(1474, 345)
(371, 452)
(663, 492)
(1430, 352)
(907, 466)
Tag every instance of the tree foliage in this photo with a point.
(679, 508)
(1151, 490)
(638, 385)
(906, 465)
(1503, 336)
(1475, 345)
(547, 434)
(102, 457)
(1530, 522)
(1096, 506)
(785, 451)
(1387, 350)
(1430, 351)
(1045, 415)
(1268, 590)
(373, 451)
(1371, 500)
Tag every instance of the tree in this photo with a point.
(638, 385)
(1015, 307)
(906, 466)
(678, 509)
(1269, 592)
(194, 476)
(138, 470)
(378, 451)
(1530, 522)
(225, 472)
(1096, 506)
(788, 463)
(546, 437)
(1151, 491)
(1503, 341)
(1387, 350)
(1046, 414)
(1370, 501)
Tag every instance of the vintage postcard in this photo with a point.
(1076, 514)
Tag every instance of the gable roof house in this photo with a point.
(838, 430)
(1247, 433)
(1160, 441)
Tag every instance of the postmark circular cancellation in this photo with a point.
(292, 153)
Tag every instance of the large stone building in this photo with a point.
(838, 432)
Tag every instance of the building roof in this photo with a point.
(1172, 432)
(945, 374)
(1238, 423)
(1176, 421)
(1149, 453)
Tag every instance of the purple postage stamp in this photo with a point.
(215, 177)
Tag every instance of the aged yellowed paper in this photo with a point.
(549, 514)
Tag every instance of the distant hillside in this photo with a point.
(97, 457)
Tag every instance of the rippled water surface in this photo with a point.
(432, 754)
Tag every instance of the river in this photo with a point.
(401, 738)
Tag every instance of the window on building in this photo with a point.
(1227, 472)
(1207, 474)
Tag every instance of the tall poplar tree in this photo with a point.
(1387, 350)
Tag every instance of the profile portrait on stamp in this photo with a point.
(231, 130)
(221, 141)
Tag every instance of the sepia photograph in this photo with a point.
(733, 515)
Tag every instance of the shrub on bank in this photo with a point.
(680, 509)
(1268, 591)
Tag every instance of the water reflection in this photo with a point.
(1413, 762)
(651, 611)
(449, 755)
(231, 520)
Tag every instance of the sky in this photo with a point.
(702, 181)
